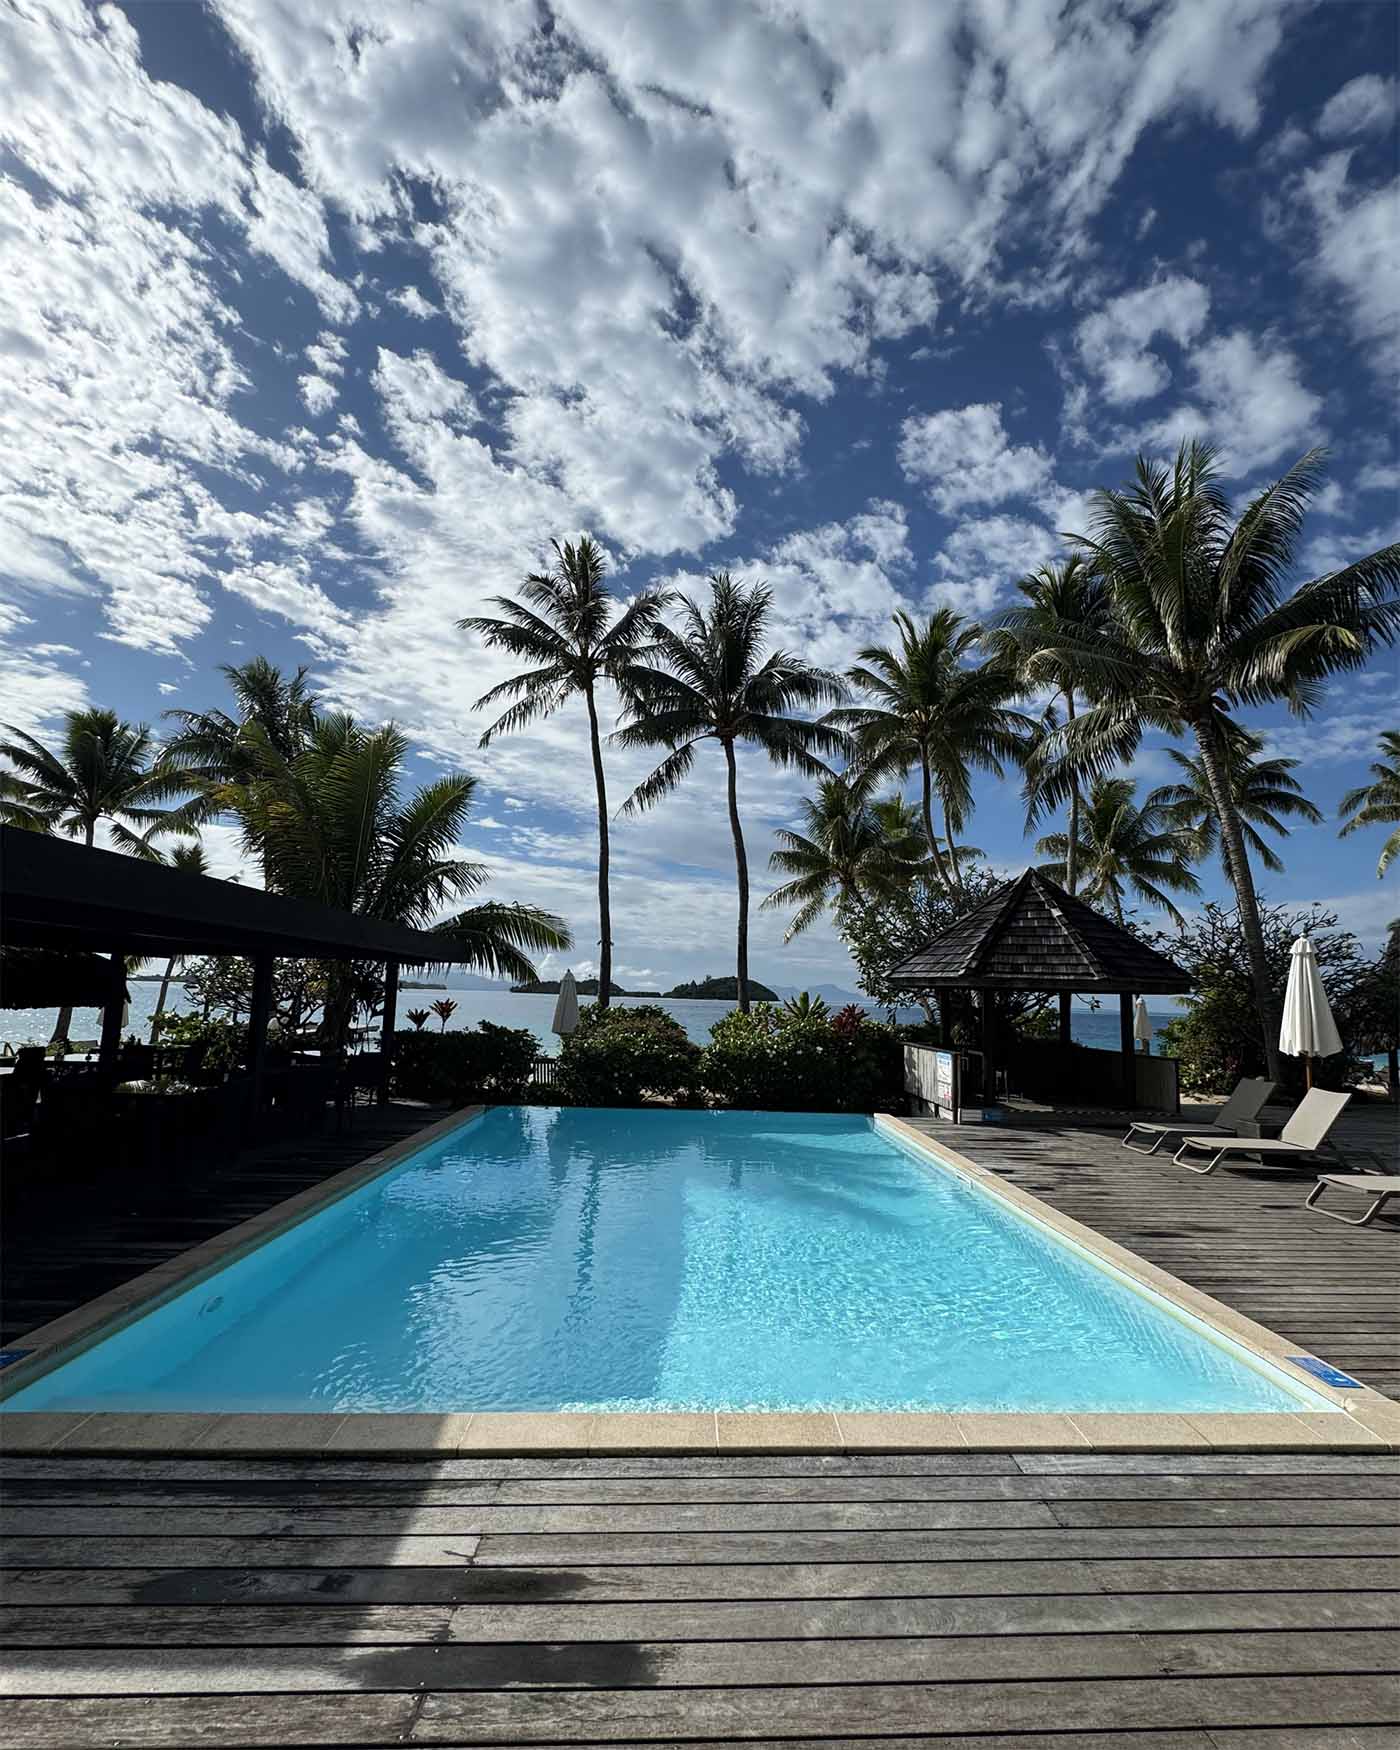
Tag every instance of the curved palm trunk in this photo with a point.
(161, 995)
(935, 855)
(1237, 861)
(741, 867)
(65, 1014)
(604, 905)
(1072, 849)
(953, 861)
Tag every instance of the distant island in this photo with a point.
(587, 987)
(723, 990)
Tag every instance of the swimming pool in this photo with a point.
(571, 1259)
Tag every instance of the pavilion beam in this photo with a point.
(1128, 1046)
(388, 1024)
(112, 1015)
(989, 1042)
(1065, 1033)
(258, 1018)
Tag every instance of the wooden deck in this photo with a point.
(65, 1245)
(1172, 1603)
(1240, 1234)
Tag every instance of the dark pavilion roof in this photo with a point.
(47, 978)
(57, 894)
(1032, 935)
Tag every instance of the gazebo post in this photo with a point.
(1128, 1046)
(989, 1040)
(258, 1017)
(112, 1014)
(1065, 1036)
(388, 1022)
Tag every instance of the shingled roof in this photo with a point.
(1032, 935)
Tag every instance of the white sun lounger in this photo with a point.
(1379, 1187)
(1249, 1099)
(1304, 1136)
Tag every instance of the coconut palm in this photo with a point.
(330, 826)
(1201, 622)
(1264, 792)
(1124, 846)
(845, 857)
(567, 628)
(100, 772)
(1065, 594)
(929, 710)
(189, 860)
(1378, 803)
(710, 681)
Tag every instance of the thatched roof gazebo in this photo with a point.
(1031, 935)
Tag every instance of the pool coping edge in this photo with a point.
(1370, 1423)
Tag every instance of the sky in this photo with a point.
(318, 322)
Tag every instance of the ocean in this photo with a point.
(1098, 1027)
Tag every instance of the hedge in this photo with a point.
(484, 1062)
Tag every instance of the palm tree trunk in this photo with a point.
(935, 856)
(604, 906)
(161, 995)
(1237, 861)
(741, 867)
(1072, 849)
(65, 1014)
(952, 851)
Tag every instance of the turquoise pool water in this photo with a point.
(575, 1259)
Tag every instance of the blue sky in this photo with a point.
(319, 322)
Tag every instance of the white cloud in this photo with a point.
(412, 302)
(1363, 105)
(1114, 344)
(1330, 552)
(35, 690)
(982, 560)
(963, 456)
(318, 393)
(1357, 248)
(1379, 477)
(1249, 400)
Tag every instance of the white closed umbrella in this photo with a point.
(1308, 1029)
(1142, 1024)
(566, 1008)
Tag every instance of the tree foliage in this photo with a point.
(1378, 803)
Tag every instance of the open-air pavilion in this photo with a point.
(74, 904)
(1030, 935)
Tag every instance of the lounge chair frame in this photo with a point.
(1318, 1111)
(1379, 1187)
(1251, 1095)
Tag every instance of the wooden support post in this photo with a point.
(989, 1046)
(112, 1015)
(258, 1017)
(1065, 999)
(1128, 1047)
(388, 1023)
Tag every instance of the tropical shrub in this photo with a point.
(485, 1062)
(226, 1042)
(616, 1057)
(782, 1060)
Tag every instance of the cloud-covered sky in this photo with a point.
(318, 321)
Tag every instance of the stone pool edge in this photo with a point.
(1371, 1422)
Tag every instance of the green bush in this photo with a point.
(481, 1063)
(227, 1042)
(616, 1056)
(784, 1061)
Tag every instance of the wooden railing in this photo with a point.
(545, 1073)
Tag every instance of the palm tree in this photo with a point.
(190, 860)
(1200, 622)
(101, 771)
(330, 826)
(1378, 803)
(1064, 594)
(711, 682)
(845, 857)
(444, 1008)
(566, 631)
(1264, 791)
(932, 712)
(1124, 846)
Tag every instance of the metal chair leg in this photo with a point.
(1209, 1167)
(1377, 1204)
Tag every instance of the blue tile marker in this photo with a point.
(9, 1355)
(1328, 1375)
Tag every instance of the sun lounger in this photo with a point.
(1249, 1099)
(1379, 1187)
(1303, 1137)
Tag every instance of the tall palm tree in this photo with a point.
(710, 681)
(929, 711)
(1065, 594)
(846, 856)
(1378, 803)
(568, 630)
(189, 860)
(330, 825)
(1264, 792)
(100, 771)
(1201, 622)
(1123, 846)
